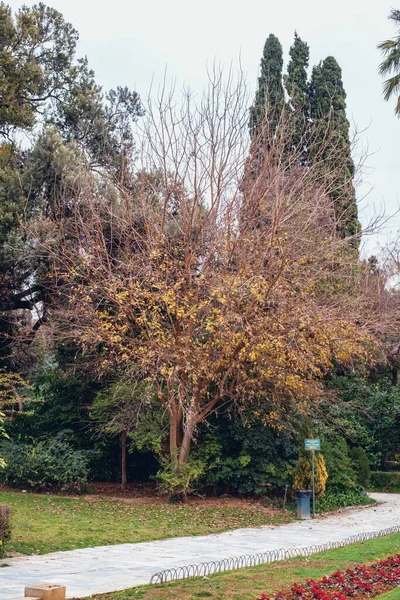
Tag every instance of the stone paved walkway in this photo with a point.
(111, 568)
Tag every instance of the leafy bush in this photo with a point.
(385, 480)
(376, 427)
(5, 528)
(46, 464)
(341, 475)
(335, 500)
(179, 483)
(246, 460)
(361, 465)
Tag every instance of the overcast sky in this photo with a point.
(130, 43)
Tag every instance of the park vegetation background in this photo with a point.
(182, 296)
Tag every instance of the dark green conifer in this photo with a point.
(296, 77)
(330, 143)
(270, 98)
(296, 85)
(361, 465)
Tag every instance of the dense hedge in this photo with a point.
(51, 464)
(385, 480)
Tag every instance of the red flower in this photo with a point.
(367, 587)
(344, 584)
(297, 589)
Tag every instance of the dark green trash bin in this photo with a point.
(303, 504)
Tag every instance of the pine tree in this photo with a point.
(43, 85)
(330, 143)
(270, 97)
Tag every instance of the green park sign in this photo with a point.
(312, 444)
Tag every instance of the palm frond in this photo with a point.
(391, 86)
(395, 16)
(391, 62)
(387, 46)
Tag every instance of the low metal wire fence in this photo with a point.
(251, 560)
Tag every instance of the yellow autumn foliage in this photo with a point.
(303, 473)
(213, 285)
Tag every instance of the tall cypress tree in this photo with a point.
(270, 97)
(296, 77)
(296, 84)
(330, 142)
(316, 126)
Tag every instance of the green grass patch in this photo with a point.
(393, 595)
(248, 584)
(43, 524)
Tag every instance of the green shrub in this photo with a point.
(178, 483)
(341, 475)
(361, 465)
(335, 500)
(246, 460)
(376, 427)
(46, 464)
(386, 481)
(5, 528)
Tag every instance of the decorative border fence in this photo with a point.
(251, 560)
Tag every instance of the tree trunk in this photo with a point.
(190, 426)
(185, 446)
(394, 376)
(175, 431)
(173, 437)
(123, 460)
(19, 400)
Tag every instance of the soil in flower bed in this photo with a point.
(360, 582)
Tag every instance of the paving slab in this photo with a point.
(111, 568)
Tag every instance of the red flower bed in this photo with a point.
(360, 582)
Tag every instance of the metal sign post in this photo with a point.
(313, 480)
(312, 445)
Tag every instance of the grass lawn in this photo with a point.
(393, 595)
(43, 524)
(248, 584)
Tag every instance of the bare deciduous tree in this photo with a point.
(217, 272)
